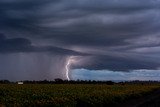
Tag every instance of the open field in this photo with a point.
(72, 94)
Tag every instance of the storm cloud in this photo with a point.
(16, 45)
(116, 35)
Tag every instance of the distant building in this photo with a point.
(20, 83)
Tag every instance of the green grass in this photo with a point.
(70, 94)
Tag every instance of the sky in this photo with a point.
(79, 39)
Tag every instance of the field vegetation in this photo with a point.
(71, 95)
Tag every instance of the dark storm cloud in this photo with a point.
(83, 24)
(104, 26)
(16, 45)
(13, 45)
(116, 63)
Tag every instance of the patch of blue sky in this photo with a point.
(84, 74)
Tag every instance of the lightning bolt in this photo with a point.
(70, 60)
(67, 69)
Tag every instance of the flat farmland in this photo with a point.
(71, 95)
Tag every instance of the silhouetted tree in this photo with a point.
(5, 81)
(58, 80)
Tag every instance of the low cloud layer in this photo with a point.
(116, 35)
(17, 45)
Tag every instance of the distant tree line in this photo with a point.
(140, 82)
(5, 82)
(60, 81)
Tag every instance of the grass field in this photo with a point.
(70, 94)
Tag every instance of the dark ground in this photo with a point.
(149, 100)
